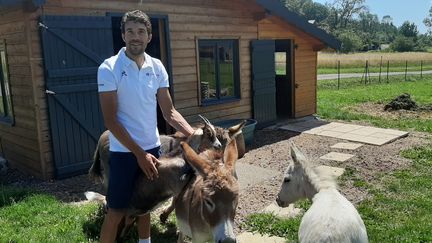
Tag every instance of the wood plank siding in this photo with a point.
(27, 144)
(305, 56)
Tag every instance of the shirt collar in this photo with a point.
(127, 61)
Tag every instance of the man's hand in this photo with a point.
(148, 164)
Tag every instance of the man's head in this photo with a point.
(136, 31)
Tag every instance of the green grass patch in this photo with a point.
(401, 210)
(336, 104)
(34, 217)
(271, 225)
(41, 218)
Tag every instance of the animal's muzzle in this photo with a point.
(228, 240)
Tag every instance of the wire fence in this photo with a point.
(373, 74)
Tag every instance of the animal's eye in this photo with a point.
(287, 179)
(209, 204)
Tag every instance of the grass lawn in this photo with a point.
(400, 205)
(34, 217)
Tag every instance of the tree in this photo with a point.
(402, 44)
(428, 21)
(387, 19)
(341, 12)
(408, 29)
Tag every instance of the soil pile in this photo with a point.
(402, 102)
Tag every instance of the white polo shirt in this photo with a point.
(136, 96)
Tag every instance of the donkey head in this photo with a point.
(294, 185)
(205, 137)
(218, 196)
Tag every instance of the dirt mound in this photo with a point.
(402, 102)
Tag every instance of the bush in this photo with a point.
(351, 42)
(403, 44)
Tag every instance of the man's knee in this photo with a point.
(114, 216)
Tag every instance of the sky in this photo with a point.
(400, 10)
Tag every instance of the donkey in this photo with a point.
(205, 209)
(203, 138)
(331, 218)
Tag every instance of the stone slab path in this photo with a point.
(356, 133)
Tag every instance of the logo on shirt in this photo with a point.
(152, 74)
(124, 74)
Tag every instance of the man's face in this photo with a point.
(136, 38)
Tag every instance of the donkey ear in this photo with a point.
(199, 164)
(296, 155)
(236, 129)
(230, 155)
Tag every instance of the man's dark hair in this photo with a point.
(136, 16)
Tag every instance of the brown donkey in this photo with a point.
(205, 209)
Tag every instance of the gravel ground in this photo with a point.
(270, 150)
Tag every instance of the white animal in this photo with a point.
(331, 218)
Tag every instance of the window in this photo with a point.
(280, 61)
(6, 114)
(219, 71)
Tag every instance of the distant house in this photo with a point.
(220, 55)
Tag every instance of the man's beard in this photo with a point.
(136, 50)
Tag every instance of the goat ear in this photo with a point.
(296, 155)
(199, 164)
(236, 129)
(230, 155)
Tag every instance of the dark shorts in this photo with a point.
(124, 170)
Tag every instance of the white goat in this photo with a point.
(331, 218)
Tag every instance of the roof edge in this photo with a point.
(276, 8)
(20, 3)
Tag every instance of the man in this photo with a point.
(130, 85)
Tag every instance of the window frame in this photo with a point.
(215, 42)
(6, 117)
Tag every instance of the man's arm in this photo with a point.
(146, 161)
(171, 115)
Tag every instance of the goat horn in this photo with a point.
(205, 120)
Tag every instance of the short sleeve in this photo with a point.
(106, 79)
(163, 78)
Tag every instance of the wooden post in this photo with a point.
(421, 69)
(338, 67)
(379, 77)
(388, 65)
(406, 69)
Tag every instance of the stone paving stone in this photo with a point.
(349, 146)
(334, 171)
(286, 213)
(337, 156)
(249, 175)
(248, 237)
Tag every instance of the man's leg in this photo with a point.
(110, 225)
(143, 225)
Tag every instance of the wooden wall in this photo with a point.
(188, 21)
(25, 145)
(305, 64)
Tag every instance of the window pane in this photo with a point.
(207, 72)
(280, 61)
(226, 69)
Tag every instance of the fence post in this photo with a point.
(379, 77)
(338, 67)
(388, 65)
(366, 71)
(406, 69)
(421, 69)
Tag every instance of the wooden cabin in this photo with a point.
(220, 55)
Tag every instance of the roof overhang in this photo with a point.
(275, 7)
(25, 4)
